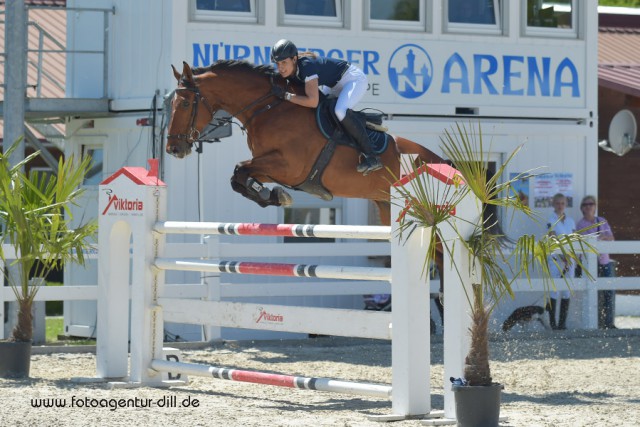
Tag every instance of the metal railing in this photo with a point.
(60, 49)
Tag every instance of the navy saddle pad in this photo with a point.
(330, 127)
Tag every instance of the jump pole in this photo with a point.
(307, 383)
(137, 188)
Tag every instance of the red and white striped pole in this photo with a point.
(279, 380)
(276, 269)
(369, 232)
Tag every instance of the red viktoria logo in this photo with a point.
(123, 204)
(264, 316)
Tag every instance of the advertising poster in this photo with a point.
(521, 187)
(545, 186)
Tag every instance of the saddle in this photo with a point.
(331, 128)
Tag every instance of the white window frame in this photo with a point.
(568, 33)
(250, 17)
(468, 28)
(389, 24)
(313, 20)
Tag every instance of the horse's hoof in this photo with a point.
(284, 199)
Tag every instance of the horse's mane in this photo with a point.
(234, 65)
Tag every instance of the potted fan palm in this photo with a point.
(495, 260)
(36, 221)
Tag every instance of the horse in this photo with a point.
(284, 138)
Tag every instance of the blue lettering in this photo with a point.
(335, 53)
(536, 71)
(352, 57)
(536, 77)
(370, 59)
(566, 64)
(510, 75)
(215, 48)
(481, 76)
(201, 53)
(241, 52)
(318, 52)
(262, 56)
(455, 60)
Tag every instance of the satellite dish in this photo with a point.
(622, 133)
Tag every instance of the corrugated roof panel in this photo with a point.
(619, 46)
(53, 22)
(619, 59)
(625, 79)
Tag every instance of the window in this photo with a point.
(473, 16)
(395, 14)
(94, 175)
(316, 12)
(224, 5)
(550, 18)
(225, 10)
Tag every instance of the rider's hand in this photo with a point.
(278, 91)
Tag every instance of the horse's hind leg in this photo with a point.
(251, 188)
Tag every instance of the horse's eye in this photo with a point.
(185, 104)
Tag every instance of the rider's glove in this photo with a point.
(278, 92)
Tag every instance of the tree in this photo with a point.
(35, 218)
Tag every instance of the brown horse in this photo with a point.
(284, 138)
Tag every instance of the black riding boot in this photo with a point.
(356, 128)
(564, 311)
(551, 307)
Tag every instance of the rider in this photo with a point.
(343, 80)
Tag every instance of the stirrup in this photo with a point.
(369, 164)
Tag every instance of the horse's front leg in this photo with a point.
(247, 177)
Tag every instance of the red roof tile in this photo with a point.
(619, 58)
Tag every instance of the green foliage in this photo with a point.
(495, 261)
(35, 215)
(619, 3)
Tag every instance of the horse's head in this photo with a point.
(187, 120)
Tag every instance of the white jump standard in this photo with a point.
(146, 227)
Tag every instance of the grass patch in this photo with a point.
(55, 329)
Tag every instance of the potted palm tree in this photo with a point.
(36, 221)
(496, 261)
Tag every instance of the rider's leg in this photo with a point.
(357, 129)
(353, 87)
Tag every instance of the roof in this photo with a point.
(138, 175)
(54, 3)
(53, 22)
(619, 53)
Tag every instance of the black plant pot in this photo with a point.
(15, 359)
(477, 406)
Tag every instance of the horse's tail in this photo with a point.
(406, 146)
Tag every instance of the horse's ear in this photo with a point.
(176, 74)
(187, 74)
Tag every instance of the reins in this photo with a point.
(193, 135)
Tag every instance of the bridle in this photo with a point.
(193, 135)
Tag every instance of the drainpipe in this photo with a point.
(15, 73)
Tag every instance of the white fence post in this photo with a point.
(458, 273)
(411, 335)
(130, 201)
(212, 282)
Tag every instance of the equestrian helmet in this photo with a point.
(282, 50)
